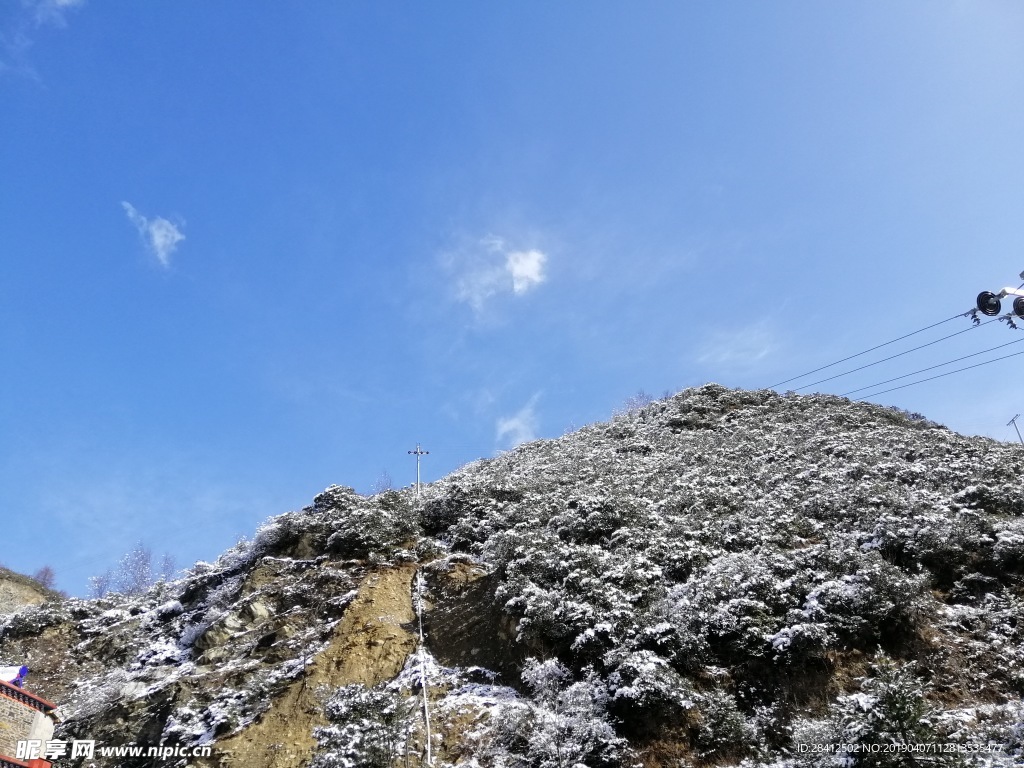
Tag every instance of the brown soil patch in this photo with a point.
(369, 646)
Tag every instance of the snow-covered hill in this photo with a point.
(719, 578)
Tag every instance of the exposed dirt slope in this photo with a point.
(369, 646)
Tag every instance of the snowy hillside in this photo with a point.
(720, 578)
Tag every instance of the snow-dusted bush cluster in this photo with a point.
(709, 556)
(339, 522)
(888, 723)
(565, 724)
(368, 728)
(363, 528)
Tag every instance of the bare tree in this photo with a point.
(100, 585)
(167, 567)
(635, 402)
(135, 571)
(45, 576)
(382, 483)
(134, 574)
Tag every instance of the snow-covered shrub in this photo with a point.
(801, 640)
(814, 745)
(371, 528)
(665, 641)
(1009, 547)
(634, 403)
(464, 518)
(442, 512)
(973, 587)
(998, 725)
(561, 591)
(735, 604)
(565, 726)
(723, 730)
(644, 688)
(1004, 499)
(367, 728)
(168, 610)
(276, 536)
(891, 711)
(192, 632)
(877, 602)
(592, 520)
(339, 521)
(880, 726)
(948, 544)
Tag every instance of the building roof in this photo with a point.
(26, 698)
(10, 762)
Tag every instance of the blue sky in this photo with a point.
(250, 250)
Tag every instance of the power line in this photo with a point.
(948, 373)
(893, 341)
(893, 357)
(930, 368)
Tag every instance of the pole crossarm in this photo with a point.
(417, 453)
(1014, 422)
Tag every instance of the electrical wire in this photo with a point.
(879, 346)
(939, 376)
(893, 357)
(930, 368)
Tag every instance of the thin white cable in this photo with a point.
(423, 666)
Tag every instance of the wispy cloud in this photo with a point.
(520, 427)
(740, 347)
(51, 11)
(489, 267)
(17, 36)
(160, 235)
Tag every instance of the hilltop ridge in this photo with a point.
(713, 579)
(18, 590)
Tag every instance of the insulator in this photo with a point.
(1018, 306)
(989, 304)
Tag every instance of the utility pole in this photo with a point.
(417, 453)
(1014, 422)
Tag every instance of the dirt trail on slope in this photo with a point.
(369, 646)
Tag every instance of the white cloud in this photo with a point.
(488, 267)
(520, 427)
(526, 269)
(160, 235)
